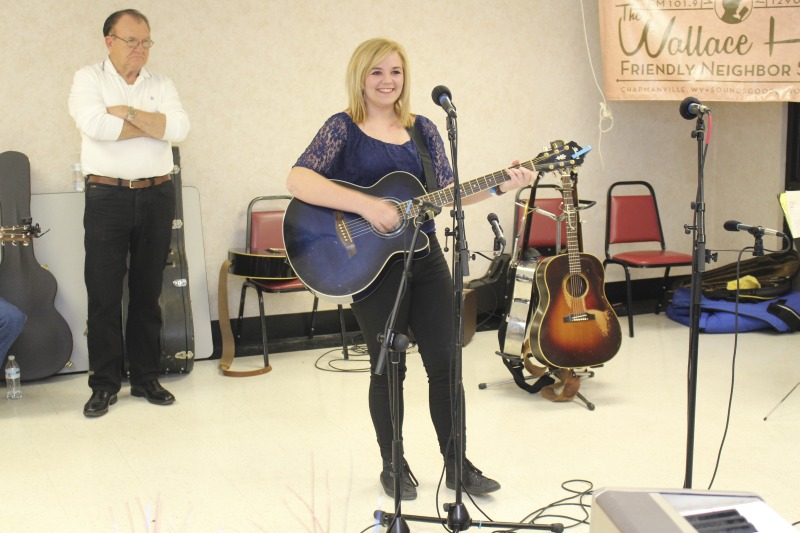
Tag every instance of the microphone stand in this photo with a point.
(458, 518)
(699, 258)
(395, 343)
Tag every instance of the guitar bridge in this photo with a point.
(344, 234)
(579, 317)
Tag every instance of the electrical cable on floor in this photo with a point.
(539, 514)
(357, 353)
(577, 494)
(733, 372)
(733, 360)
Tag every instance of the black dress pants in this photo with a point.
(119, 221)
(427, 308)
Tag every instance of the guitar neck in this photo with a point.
(573, 246)
(446, 196)
(560, 157)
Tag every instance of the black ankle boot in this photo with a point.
(408, 484)
(472, 479)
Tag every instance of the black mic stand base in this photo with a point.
(387, 518)
(395, 523)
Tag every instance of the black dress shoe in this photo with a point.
(472, 479)
(154, 392)
(98, 403)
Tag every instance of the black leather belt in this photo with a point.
(143, 183)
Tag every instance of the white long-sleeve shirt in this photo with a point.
(98, 87)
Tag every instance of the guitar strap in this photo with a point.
(427, 163)
(228, 342)
(516, 367)
(570, 383)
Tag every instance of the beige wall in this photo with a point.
(258, 78)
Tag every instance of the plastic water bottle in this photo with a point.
(78, 182)
(13, 386)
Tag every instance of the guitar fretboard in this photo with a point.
(558, 158)
(573, 247)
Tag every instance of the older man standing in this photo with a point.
(128, 117)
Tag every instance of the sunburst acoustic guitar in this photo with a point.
(574, 325)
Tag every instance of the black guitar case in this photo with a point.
(177, 330)
(44, 346)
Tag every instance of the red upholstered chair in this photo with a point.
(632, 218)
(264, 236)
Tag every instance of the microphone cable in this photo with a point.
(605, 110)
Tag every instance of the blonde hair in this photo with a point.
(366, 56)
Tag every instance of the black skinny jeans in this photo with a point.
(118, 221)
(427, 308)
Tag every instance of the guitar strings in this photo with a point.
(577, 299)
(407, 210)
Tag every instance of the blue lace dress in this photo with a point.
(341, 151)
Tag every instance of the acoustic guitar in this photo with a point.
(574, 325)
(340, 257)
(267, 264)
(520, 296)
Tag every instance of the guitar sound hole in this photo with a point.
(576, 285)
(400, 227)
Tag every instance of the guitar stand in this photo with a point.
(582, 204)
(783, 400)
(544, 378)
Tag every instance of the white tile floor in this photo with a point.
(294, 450)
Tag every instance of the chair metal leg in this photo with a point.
(630, 299)
(660, 301)
(344, 333)
(263, 325)
(313, 318)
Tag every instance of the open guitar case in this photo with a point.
(177, 329)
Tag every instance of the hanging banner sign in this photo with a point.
(724, 50)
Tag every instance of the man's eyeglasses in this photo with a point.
(133, 43)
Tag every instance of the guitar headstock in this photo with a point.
(561, 155)
(19, 235)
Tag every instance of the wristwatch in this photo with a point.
(131, 114)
